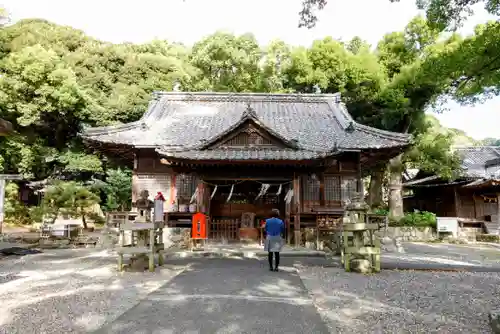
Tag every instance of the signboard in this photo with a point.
(199, 226)
(447, 225)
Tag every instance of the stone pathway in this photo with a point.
(225, 296)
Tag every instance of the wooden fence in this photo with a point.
(224, 229)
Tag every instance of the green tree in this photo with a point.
(118, 189)
(390, 89)
(15, 211)
(55, 80)
(40, 96)
(69, 198)
(432, 151)
(452, 13)
(441, 13)
(228, 62)
(275, 67)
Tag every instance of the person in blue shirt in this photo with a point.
(274, 228)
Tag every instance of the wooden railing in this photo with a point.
(224, 229)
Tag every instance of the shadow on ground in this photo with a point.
(69, 291)
(225, 296)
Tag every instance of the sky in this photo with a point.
(188, 21)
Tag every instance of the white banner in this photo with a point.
(230, 194)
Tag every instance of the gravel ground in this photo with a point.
(474, 254)
(69, 291)
(403, 301)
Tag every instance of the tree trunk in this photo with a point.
(375, 193)
(53, 218)
(396, 188)
(84, 221)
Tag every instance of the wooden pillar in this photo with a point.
(199, 200)
(288, 209)
(321, 189)
(359, 179)
(474, 202)
(296, 218)
(172, 197)
(498, 213)
(457, 202)
(135, 182)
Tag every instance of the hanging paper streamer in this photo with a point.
(288, 196)
(230, 194)
(279, 191)
(193, 198)
(263, 190)
(213, 192)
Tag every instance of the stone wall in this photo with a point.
(176, 237)
(400, 233)
(470, 233)
(409, 233)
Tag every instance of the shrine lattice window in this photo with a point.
(248, 138)
(186, 185)
(332, 188)
(310, 188)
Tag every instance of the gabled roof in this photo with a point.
(187, 122)
(248, 116)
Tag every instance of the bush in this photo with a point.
(381, 211)
(488, 238)
(417, 219)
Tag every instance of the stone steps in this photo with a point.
(491, 227)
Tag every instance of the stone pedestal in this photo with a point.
(391, 245)
(137, 263)
(362, 266)
(494, 320)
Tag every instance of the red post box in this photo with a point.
(199, 226)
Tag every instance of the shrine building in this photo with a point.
(235, 156)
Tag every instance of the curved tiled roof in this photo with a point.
(246, 154)
(187, 121)
(480, 161)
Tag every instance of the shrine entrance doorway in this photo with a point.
(238, 207)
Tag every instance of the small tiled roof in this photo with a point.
(479, 164)
(480, 161)
(315, 123)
